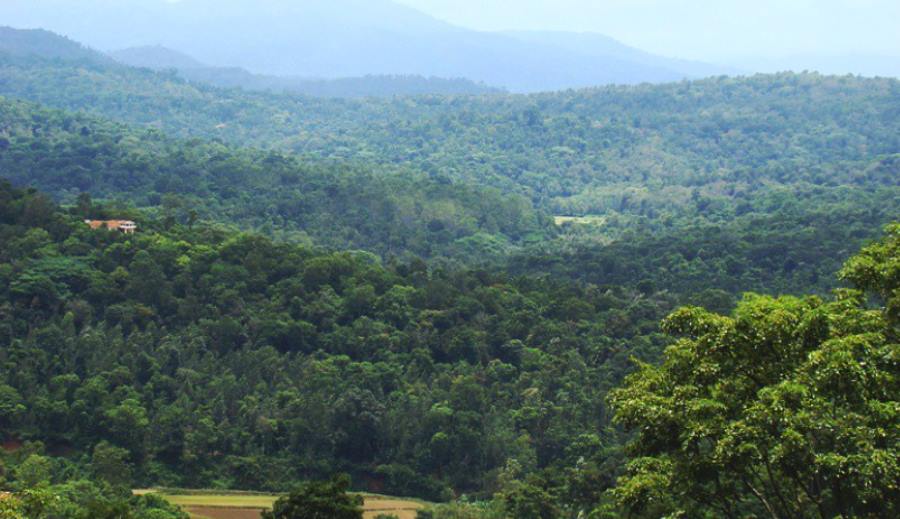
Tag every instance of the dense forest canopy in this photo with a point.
(783, 242)
(193, 357)
(211, 357)
(726, 153)
(335, 205)
(552, 146)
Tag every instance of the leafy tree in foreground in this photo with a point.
(787, 409)
(110, 464)
(319, 500)
(27, 504)
(529, 501)
(84, 500)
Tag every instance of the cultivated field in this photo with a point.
(239, 505)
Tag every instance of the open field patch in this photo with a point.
(200, 512)
(596, 220)
(402, 508)
(238, 505)
(223, 501)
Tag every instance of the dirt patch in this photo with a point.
(237, 505)
(401, 514)
(244, 501)
(401, 508)
(211, 512)
(11, 445)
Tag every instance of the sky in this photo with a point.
(697, 29)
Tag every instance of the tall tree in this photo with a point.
(786, 409)
(319, 500)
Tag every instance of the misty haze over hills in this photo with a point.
(854, 63)
(46, 45)
(156, 57)
(342, 38)
(161, 58)
(352, 38)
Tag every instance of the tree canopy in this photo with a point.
(319, 500)
(788, 408)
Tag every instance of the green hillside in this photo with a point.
(211, 357)
(578, 152)
(705, 151)
(333, 205)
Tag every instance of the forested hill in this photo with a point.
(206, 358)
(196, 358)
(334, 206)
(347, 38)
(780, 243)
(37, 43)
(794, 170)
(637, 151)
(44, 45)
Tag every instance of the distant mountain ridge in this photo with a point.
(44, 44)
(870, 65)
(346, 38)
(602, 46)
(161, 58)
(156, 57)
(39, 43)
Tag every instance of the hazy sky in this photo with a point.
(699, 29)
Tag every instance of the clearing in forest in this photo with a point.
(595, 220)
(249, 505)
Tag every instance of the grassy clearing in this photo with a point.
(249, 505)
(579, 220)
(224, 513)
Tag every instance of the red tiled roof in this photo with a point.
(109, 224)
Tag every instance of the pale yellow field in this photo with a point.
(223, 500)
(581, 220)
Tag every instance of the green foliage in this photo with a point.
(110, 464)
(319, 500)
(83, 500)
(877, 270)
(462, 510)
(11, 406)
(34, 471)
(353, 87)
(28, 505)
(528, 501)
(786, 409)
(797, 249)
